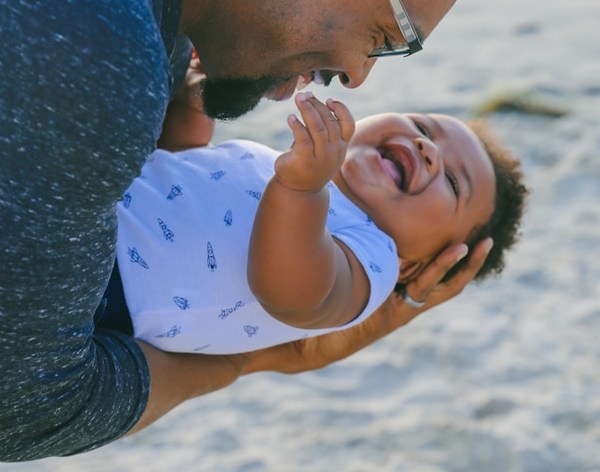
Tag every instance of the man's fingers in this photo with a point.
(476, 261)
(423, 285)
(434, 292)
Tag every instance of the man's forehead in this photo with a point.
(426, 14)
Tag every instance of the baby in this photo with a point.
(232, 248)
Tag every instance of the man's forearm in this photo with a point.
(176, 378)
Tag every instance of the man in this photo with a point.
(265, 48)
(84, 89)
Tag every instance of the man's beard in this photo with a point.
(227, 99)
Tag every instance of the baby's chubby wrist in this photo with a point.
(300, 187)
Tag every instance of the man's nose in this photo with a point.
(429, 152)
(352, 78)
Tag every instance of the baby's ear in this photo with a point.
(409, 270)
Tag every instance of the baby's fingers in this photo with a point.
(320, 122)
(302, 139)
(344, 118)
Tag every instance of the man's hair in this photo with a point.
(511, 193)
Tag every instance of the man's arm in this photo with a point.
(178, 377)
(81, 108)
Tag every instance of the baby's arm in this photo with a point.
(300, 274)
(186, 125)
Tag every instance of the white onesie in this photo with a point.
(184, 231)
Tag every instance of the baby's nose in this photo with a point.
(429, 153)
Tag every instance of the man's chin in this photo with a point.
(228, 99)
(217, 111)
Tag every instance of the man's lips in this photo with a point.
(287, 89)
(400, 164)
(307, 78)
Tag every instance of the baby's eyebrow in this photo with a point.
(463, 169)
(436, 125)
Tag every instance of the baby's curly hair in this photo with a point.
(511, 193)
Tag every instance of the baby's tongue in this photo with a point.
(392, 171)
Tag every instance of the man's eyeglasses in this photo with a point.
(413, 44)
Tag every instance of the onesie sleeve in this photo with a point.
(376, 252)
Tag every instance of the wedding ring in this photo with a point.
(411, 301)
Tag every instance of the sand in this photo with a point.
(503, 378)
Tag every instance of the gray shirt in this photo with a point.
(83, 91)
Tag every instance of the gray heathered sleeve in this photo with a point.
(83, 90)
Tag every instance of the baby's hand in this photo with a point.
(188, 94)
(319, 144)
(185, 124)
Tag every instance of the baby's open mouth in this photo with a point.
(398, 166)
(394, 171)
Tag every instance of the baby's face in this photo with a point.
(425, 180)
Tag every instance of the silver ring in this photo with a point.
(411, 301)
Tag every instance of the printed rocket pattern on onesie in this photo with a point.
(184, 231)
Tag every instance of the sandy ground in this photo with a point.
(504, 378)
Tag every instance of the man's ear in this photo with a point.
(409, 270)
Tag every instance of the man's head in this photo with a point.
(429, 181)
(266, 48)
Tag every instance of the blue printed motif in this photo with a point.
(254, 194)
(126, 199)
(247, 155)
(369, 221)
(251, 330)
(174, 331)
(225, 312)
(211, 260)
(201, 348)
(135, 257)
(331, 212)
(330, 184)
(374, 267)
(228, 218)
(176, 190)
(167, 233)
(217, 175)
(182, 303)
(390, 245)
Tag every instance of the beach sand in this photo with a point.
(504, 378)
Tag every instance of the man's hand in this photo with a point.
(314, 353)
(426, 287)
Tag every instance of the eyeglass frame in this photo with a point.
(413, 43)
